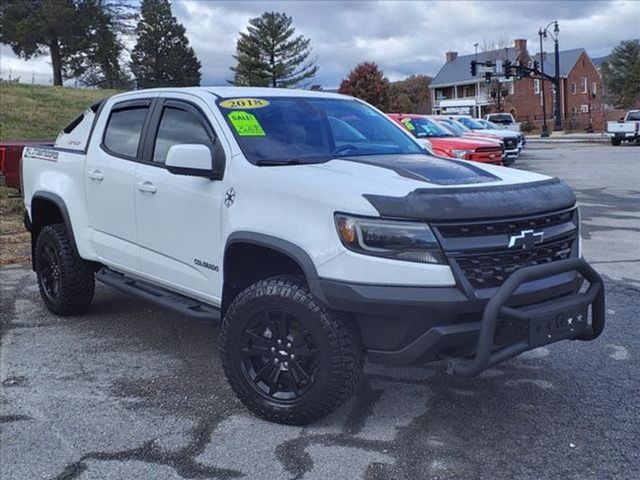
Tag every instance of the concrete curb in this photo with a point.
(567, 139)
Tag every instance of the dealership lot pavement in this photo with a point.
(129, 391)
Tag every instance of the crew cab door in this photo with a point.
(179, 215)
(109, 176)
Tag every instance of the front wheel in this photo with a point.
(615, 141)
(285, 356)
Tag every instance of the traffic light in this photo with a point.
(507, 68)
(519, 73)
(487, 77)
(536, 67)
(474, 68)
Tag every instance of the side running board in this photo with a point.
(164, 298)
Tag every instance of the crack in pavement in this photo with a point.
(182, 461)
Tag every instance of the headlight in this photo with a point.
(409, 241)
(461, 153)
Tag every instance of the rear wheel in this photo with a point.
(287, 358)
(66, 282)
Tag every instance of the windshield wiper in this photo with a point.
(274, 163)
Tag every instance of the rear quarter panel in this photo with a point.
(59, 172)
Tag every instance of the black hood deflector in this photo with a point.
(476, 203)
(427, 168)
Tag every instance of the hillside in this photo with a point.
(35, 111)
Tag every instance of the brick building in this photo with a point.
(454, 90)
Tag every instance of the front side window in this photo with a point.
(310, 130)
(178, 127)
(122, 135)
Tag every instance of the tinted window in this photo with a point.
(124, 130)
(178, 127)
(312, 129)
(423, 127)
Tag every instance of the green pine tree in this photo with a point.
(33, 29)
(162, 56)
(95, 58)
(269, 54)
(621, 74)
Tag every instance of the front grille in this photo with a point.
(491, 269)
(489, 150)
(508, 227)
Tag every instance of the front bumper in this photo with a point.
(408, 325)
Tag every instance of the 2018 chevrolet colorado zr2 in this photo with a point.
(315, 229)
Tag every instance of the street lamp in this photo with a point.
(545, 129)
(557, 122)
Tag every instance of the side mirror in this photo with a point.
(190, 159)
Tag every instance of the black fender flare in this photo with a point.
(291, 250)
(64, 212)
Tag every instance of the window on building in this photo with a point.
(584, 84)
(584, 108)
(574, 111)
(512, 88)
(536, 86)
(573, 88)
(594, 87)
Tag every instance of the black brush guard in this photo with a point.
(561, 319)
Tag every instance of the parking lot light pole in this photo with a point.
(545, 128)
(557, 116)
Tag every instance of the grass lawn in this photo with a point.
(40, 112)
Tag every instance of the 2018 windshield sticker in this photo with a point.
(244, 103)
(407, 123)
(246, 124)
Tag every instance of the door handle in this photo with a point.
(95, 175)
(147, 187)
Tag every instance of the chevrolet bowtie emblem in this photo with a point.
(525, 239)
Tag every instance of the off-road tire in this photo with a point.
(339, 352)
(76, 277)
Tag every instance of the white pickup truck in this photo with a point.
(626, 129)
(314, 229)
(505, 120)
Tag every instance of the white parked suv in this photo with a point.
(315, 229)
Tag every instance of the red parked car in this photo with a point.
(443, 143)
(10, 155)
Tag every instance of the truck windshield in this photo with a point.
(471, 123)
(501, 118)
(289, 130)
(423, 128)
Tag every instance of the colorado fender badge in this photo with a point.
(230, 197)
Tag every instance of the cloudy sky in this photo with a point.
(403, 37)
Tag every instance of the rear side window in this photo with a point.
(177, 127)
(124, 130)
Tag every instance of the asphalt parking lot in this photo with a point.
(129, 391)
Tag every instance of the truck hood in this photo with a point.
(501, 133)
(432, 188)
(463, 143)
